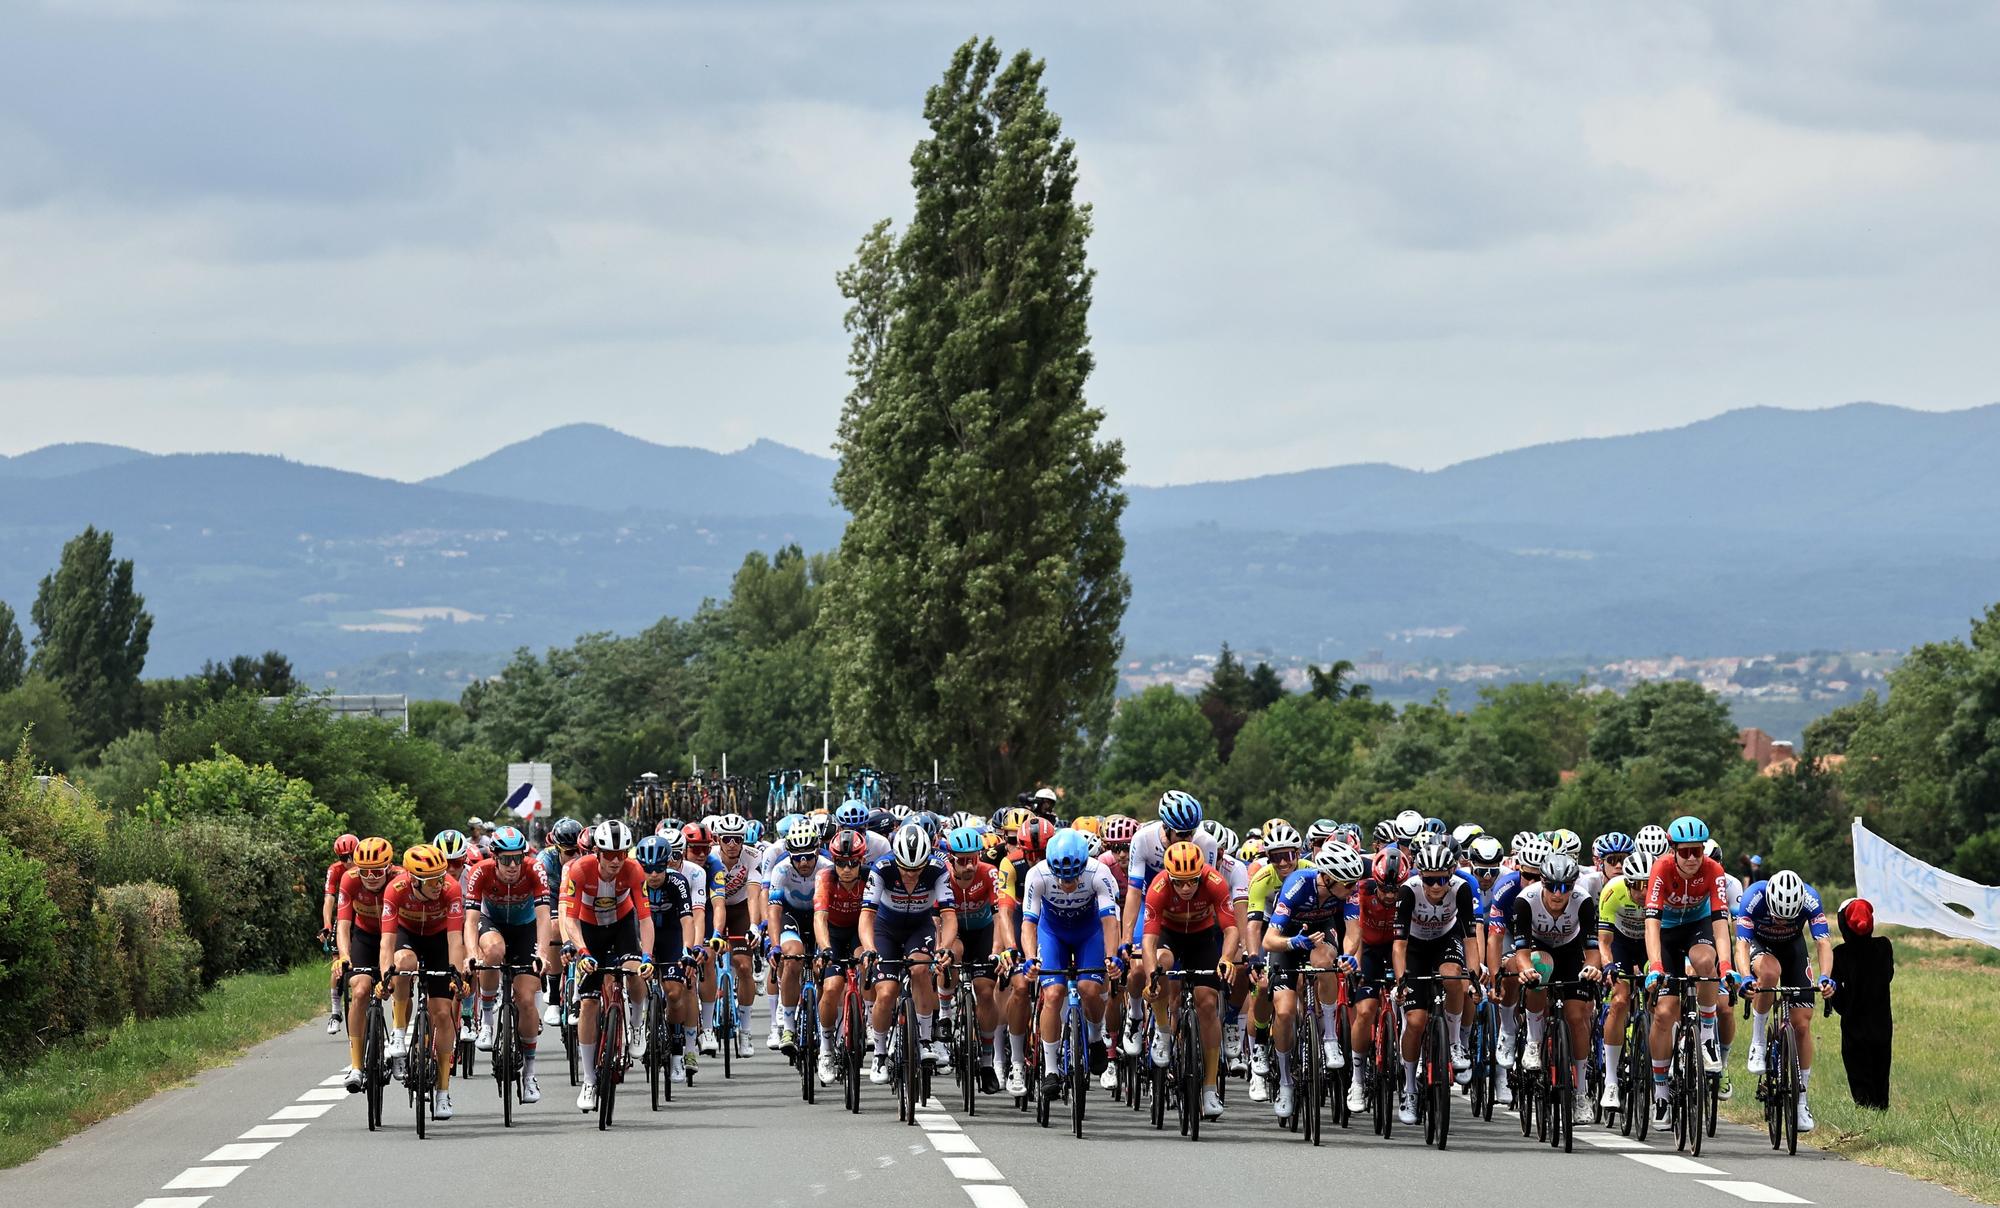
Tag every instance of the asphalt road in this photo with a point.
(276, 1129)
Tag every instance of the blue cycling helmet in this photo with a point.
(1615, 843)
(882, 822)
(965, 841)
(754, 832)
(452, 843)
(1687, 829)
(852, 814)
(1437, 826)
(1179, 811)
(652, 854)
(509, 841)
(1069, 852)
(786, 823)
(931, 823)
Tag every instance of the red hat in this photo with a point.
(1859, 916)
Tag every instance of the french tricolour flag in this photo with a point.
(525, 801)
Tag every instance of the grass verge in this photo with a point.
(83, 1081)
(1943, 1122)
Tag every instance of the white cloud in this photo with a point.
(391, 236)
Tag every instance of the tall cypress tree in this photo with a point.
(92, 630)
(13, 655)
(976, 608)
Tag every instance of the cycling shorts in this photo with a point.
(1377, 970)
(366, 949)
(433, 957)
(607, 944)
(1195, 950)
(736, 925)
(1426, 957)
(1626, 952)
(845, 941)
(1793, 968)
(1677, 942)
(978, 944)
(519, 938)
(1084, 946)
(908, 935)
(1284, 968)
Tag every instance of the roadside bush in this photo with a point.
(157, 962)
(244, 899)
(29, 922)
(61, 827)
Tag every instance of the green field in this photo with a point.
(1943, 1122)
(83, 1081)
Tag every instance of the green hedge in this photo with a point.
(157, 970)
(29, 923)
(63, 829)
(248, 903)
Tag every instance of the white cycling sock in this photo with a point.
(1805, 1078)
(1051, 1057)
(586, 1062)
(1610, 1057)
(1760, 1021)
(772, 999)
(1409, 1077)
(1094, 1028)
(1017, 1048)
(1537, 1022)
(1329, 1021)
(924, 1027)
(826, 1040)
(1284, 1068)
(881, 1044)
(1454, 1028)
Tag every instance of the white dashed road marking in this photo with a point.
(204, 1176)
(242, 1151)
(1756, 1193)
(1672, 1164)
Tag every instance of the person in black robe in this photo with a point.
(1863, 966)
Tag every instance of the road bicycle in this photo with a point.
(965, 1037)
(1075, 1067)
(375, 1071)
(1555, 1121)
(1779, 1087)
(612, 1019)
(1689, 1089)
(1436, 1079)
(507, 1063)
(1182, 1076)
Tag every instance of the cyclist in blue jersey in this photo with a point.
(552, 859)
(1069, 917)
(908, 913)
(1309, 928)
(1773, 919)
(790, 888)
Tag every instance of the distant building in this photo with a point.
(1762, 749)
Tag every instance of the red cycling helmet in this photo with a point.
(848, 845)
(1389, 867)
(344, 846)
(697, 835)
(1034, 837)
(584, 842)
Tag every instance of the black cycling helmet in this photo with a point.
(566, 832)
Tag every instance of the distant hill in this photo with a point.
(55, 461)
(1858, 527)
(592, 466)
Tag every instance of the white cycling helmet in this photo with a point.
(731, 826)
(612, 835)
(1533, 854)
(1560, 869)
(1567, 842)
(1651, 840)
(1280, 836)
(1409, 824)
(911, 846)
(1340, 861)
(1787, 893)
(1637, 869)
(1466, 832)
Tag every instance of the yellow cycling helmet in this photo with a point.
(1089, 824)
(1184, 861)
(1252, 848)
(1011, 823)
(1271, 824)
(424, 862)
(374, 852)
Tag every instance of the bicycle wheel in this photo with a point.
(610, 1052)
(422, 1079)
(966, 1041)
(1343, 1075)
(506, 1059)
(1191, 1069)
(1308, 1111)
(851, 1031)
(1789, 1079)
(725, 1015)
(1692, 1098)
(671, 1045)
(568, 1023)
(655, 1059)
(375, 1067)
(1079, 1070)
(1443, 1080)
(1562, 1087)
(1639, 1075)
(1385, 1061)
(1769, 1094)
(807, 1030)
(913, 1061)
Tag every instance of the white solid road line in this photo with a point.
(973, 1169)
(958, 1142)
(203, 1176)
(175, 1201)
(324, 1094)
(1672, 1164)
(1756, 1193)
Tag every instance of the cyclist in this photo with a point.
(1281, 859)
(1032, 835)
(1555, 917)
(670, 901)
(837, 901)
(700, 857)
(1687, 927)
(736, 875)
(907, 913)
(1529, 852)
(554, 856)
(791, 887)
(985, 926)
(507, 922)
(423, 919)
(1771, 927)
(1621, 948)
(1725, 1018)
(360, 911)
(1189, 922)
(1370, 944)
(343, 860)
(1069, 918)
(1179, 822)
(603, 893)
(1435, 915)
(1309, 927)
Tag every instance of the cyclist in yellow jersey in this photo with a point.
(1281, 850)
(1621, 944)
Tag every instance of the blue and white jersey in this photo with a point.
(1478, 895)
(1045, 902)
(697, 880)
(1148, 858)
(1298, 907)
(1500, 907)
(1754, 920)
(795, 889)
(889, 897)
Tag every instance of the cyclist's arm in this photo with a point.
(1133, 899)
(947, 928)
(646, 936)
(326, 909)
(1654, 947)
(1399, 956)
(1110, 923)
(454, 945)
(544, 931)
(1719, 927)
(1031, 946)
(344, 940)
(866, 927)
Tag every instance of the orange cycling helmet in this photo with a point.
(424, 862)
(374, 852)
(1089, 824)
(1185, 862)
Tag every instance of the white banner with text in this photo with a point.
(1904, 889)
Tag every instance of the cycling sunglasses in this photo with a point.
(1483, 871)
(1176, 836)
(510, 859)
(1556, 887)
(848, 863)
(1437, 879)
(1691, 852)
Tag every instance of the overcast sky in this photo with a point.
(393, 236)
